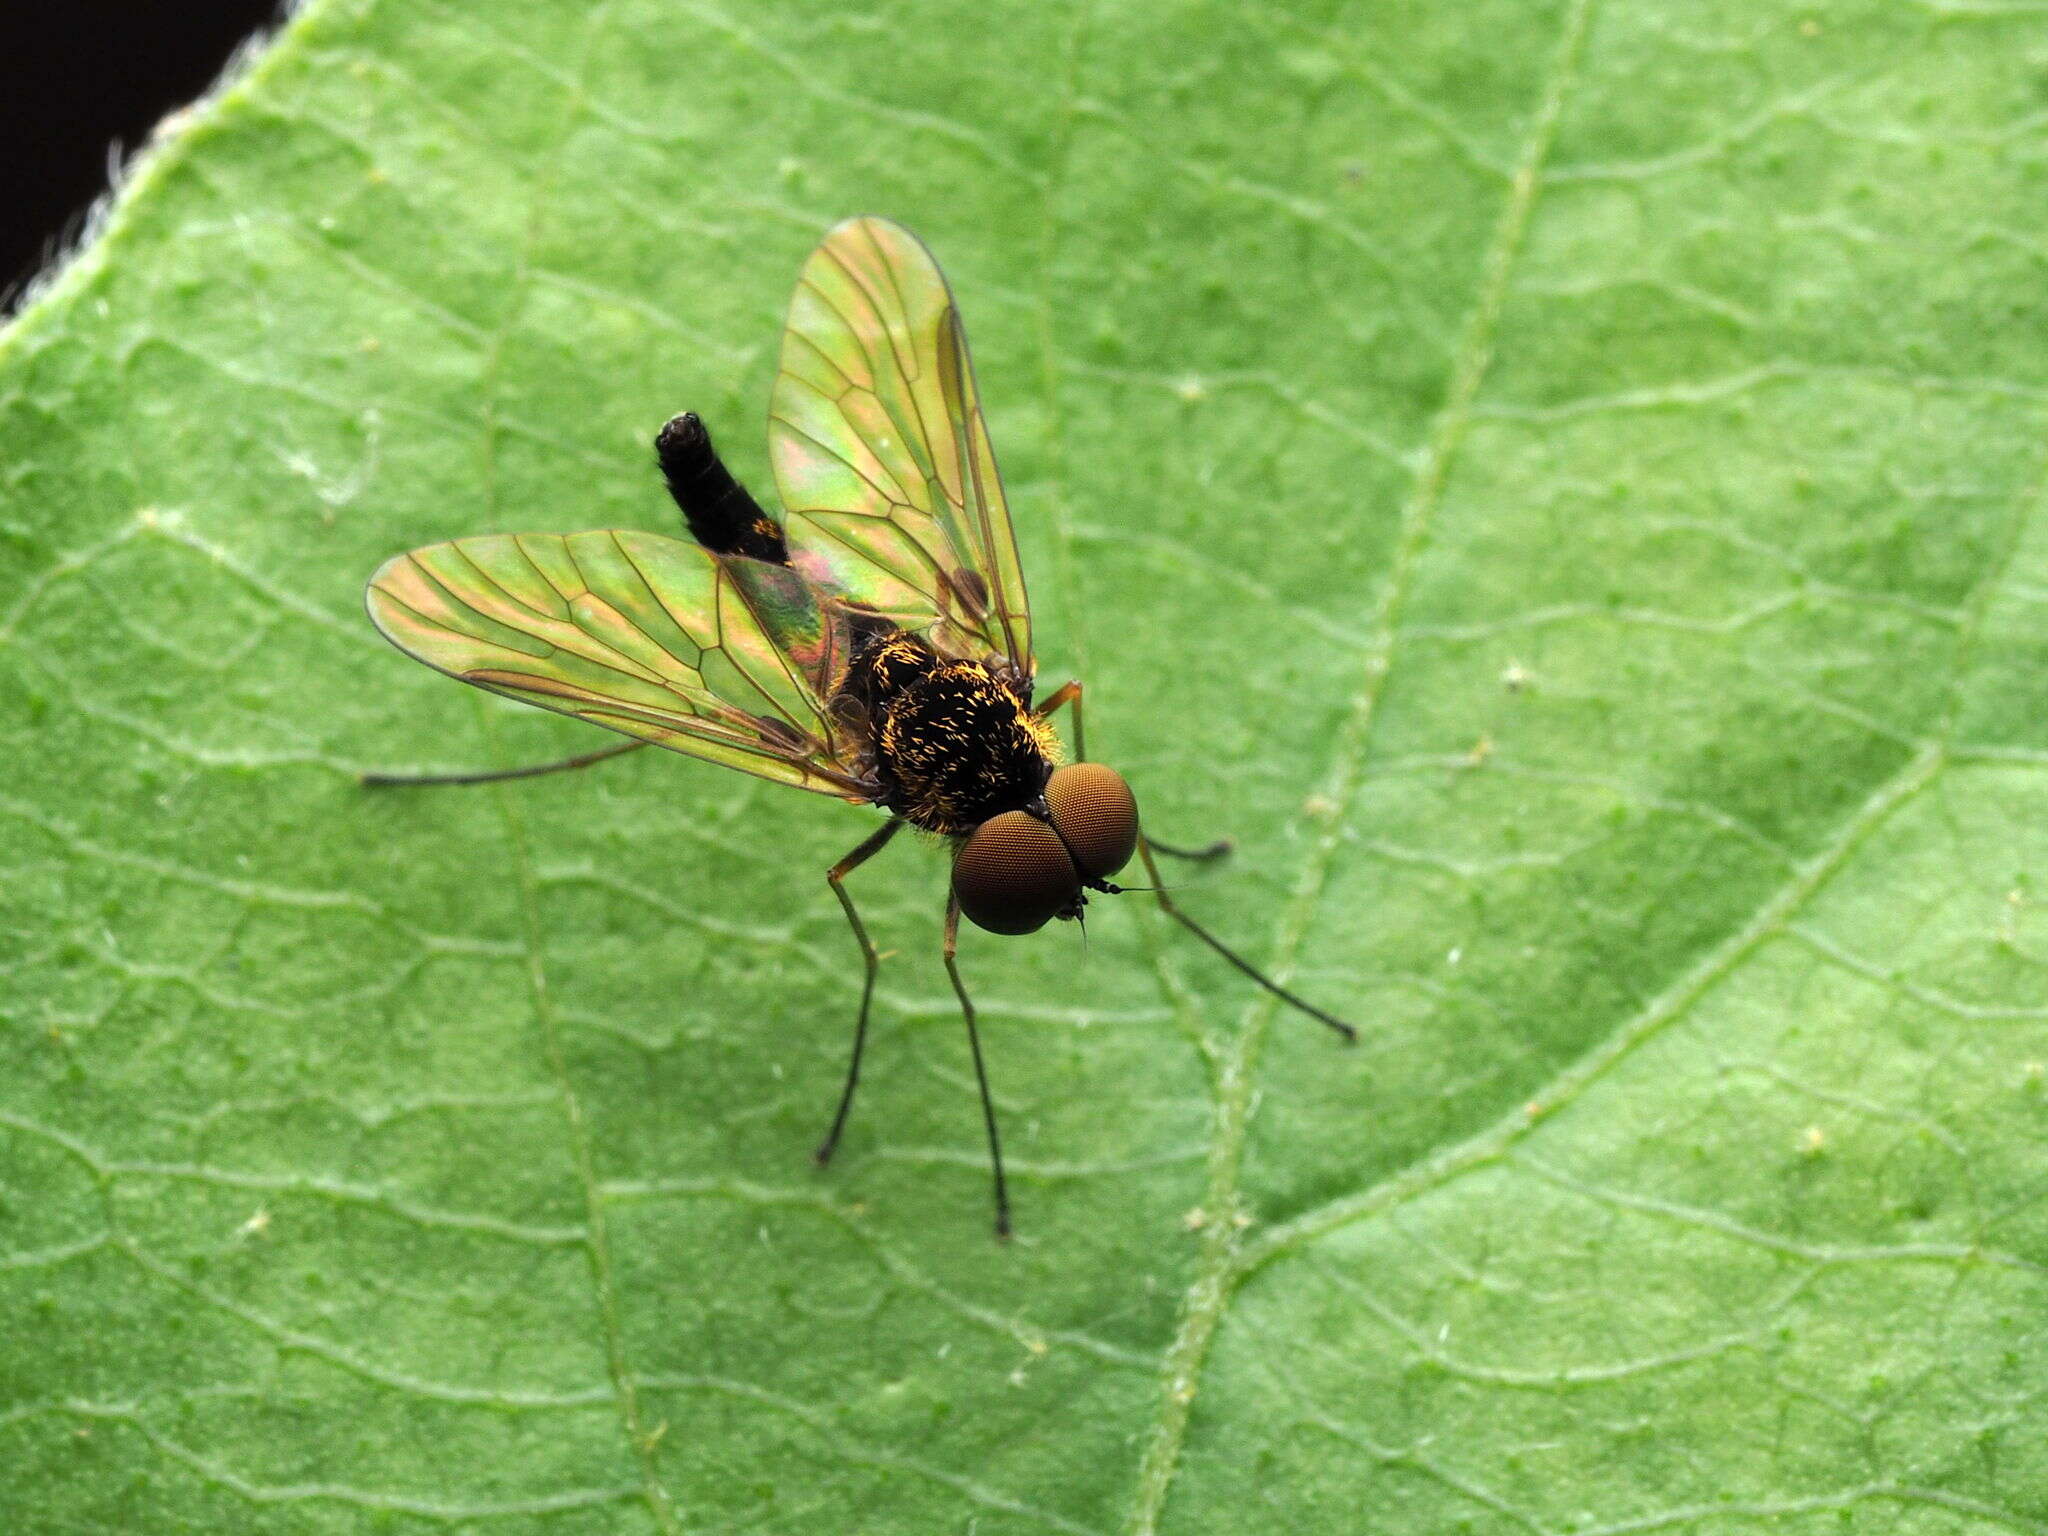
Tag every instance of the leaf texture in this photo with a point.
(1559, 482)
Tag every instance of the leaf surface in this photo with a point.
(1560, 483)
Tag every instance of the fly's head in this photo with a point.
(1018, 871)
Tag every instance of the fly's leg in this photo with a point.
(495, 775)
(1166, 904)
(988, 1108)
(1215, 850)
(836, 876)
(1068, 693)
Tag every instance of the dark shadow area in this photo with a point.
(83, 79)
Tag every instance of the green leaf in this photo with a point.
(1560, 482)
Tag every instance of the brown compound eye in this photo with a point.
(1012, 875)
(1097, 816)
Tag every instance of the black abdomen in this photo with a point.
(722, 516)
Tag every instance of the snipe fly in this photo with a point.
(874, 646)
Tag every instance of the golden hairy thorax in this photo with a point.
(954, 741)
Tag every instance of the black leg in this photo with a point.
(1214, 850)
(493, 776)
(1068, 693)
(988, 1108)
(837, 874)
(1210, 939)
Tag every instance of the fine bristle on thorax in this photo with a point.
(954, 741)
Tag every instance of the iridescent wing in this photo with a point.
(727, 659)
(880, 451)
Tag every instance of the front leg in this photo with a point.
(1068, 693)
(1214, 850)
(1168, 906)
(988, 1109)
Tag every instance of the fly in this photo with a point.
(874, 645)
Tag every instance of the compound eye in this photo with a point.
(1012, 875)
(1097, 815)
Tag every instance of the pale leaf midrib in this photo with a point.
(1209, 1293)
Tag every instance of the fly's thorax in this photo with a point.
(885, 660)
(959, 746)
(888, 662)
